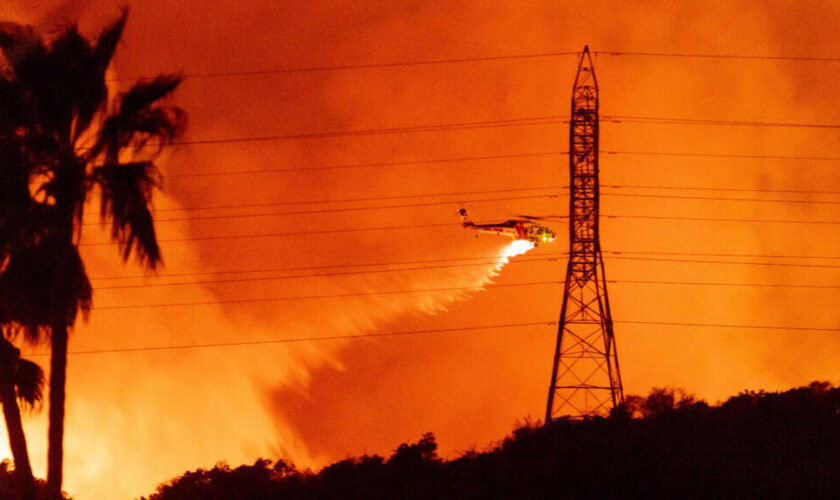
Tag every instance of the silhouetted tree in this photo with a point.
(662, 400)
(63, 138)
(631, 407)
(20, 380)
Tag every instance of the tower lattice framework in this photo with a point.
(585, 379)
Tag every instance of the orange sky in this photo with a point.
(135, 419)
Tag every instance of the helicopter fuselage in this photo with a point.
(517, 229)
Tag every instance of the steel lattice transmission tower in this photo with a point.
(585, 379)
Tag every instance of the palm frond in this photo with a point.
(22, 47)
(12, 106)
(92, 64)
(107, 42)
(44, 285)
(146, 93)
(23, 221)
(29, 380)
(126, 195)
(77, 89)
(65, 79)
(26, 376)
(140, 119)
(162, 126)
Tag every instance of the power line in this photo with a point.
(423, 332)
(512, 122)
(547, 256)
(725, 156)
(417, 226)
(718, 56)
(717, 188)
(449, 202)
(442, 194)
(492, 191)
(309, 297)
(348, 209)
(302, 339)
(496, 157)
(554, 218)
(720, 198)
(368, 165)
(314, 275)
(726, 325)
(724, 283)
(447, 266)
(721, 219)
(355, 200)
(345, 67)
(290, 233)
(703, 261)
(702, 121)
(462, 60)
(712, 254)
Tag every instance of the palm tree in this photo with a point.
(66, 139)
(21, 381)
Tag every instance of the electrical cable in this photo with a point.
(717, 56)
(417, 226)
(718, 254)
(715, 188)
(345, 67)
(723, 156)
(299, 339)
(312, 275)
(702, 121)
(711, 198)
(356, 200)
(330, 296)
(495, 157)
(721, 219)
(512, 122)
(546, 256)
(726, 325)
(421, 332)
(550, 256)
(345, 209)
(699, 261)
(368, 165)
(723, 283)
(277, 235)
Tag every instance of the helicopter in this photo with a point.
(518, 229)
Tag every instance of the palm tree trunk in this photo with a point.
(55, 447)
(17, 440)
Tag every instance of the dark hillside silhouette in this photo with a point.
(668, 445)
